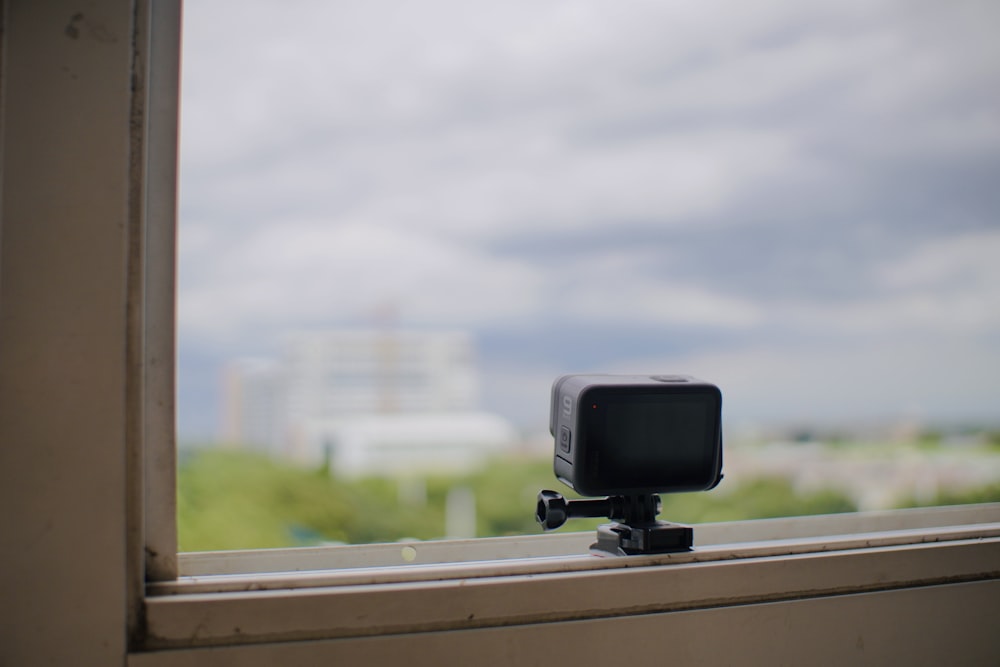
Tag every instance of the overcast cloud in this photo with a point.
(800, 203)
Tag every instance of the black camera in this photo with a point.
(631, 437)
(634, 434)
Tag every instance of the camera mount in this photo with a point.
(635, 529)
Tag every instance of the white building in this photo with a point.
(254, 396)
(350, 372)
(398, 444)
(366, 401)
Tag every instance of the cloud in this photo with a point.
(949, 285)
(584, 184)
(293, 275)
(848, 384)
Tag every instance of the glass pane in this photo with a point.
(401, 221)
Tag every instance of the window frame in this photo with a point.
(342, 604)
(160, 33)
(193, 601)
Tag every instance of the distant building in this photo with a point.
(254, 405)
(398, 444)
(350, 372)
(365, 401)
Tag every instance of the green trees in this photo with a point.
(989, 493)
(232, 499)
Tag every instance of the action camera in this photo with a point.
(636, 434)
(630, 438)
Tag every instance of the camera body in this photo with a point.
(636, 434)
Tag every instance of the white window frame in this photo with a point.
(287, 595)
(161, 35)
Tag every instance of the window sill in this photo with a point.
(550, 578)
(412, 554)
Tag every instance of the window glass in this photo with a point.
(399, 222)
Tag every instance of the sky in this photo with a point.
(797, 201)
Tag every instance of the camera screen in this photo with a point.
(666, 441)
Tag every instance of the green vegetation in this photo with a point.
(232, 499)
(761, 498)
(989, 493)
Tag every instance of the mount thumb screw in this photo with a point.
(551, 510)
